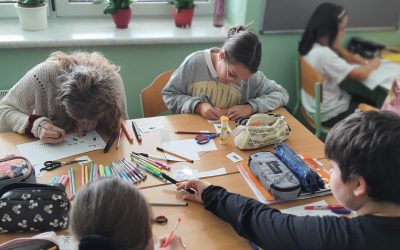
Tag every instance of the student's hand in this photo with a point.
(50, 133)
(207, 111)
(195, 184)
(85, 126)
(175, 244)
(239, 111)
(360, 60)
(374, 63)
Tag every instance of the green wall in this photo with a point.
(141, 63)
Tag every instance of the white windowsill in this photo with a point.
(91, 31)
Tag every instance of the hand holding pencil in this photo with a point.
(176, 243)
(50, 133)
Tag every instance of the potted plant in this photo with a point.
(183, 12)
(32, 14)
(120, 11)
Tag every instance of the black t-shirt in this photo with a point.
(271, 229)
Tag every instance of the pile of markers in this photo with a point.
(123, 169)
(150, 166)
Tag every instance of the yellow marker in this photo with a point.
(101, 170)
(224, 130)
(86, 174)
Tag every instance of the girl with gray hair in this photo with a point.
(68, 92)
(112, 214)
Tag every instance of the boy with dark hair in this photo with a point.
(364, 153)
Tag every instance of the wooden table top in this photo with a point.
(198, 225)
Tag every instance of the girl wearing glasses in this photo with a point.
(224, 81)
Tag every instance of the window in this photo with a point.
(7, 8)
(139, 7)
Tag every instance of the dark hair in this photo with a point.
(368, 144)
(112, 211)
(242, 46)
(324, 22)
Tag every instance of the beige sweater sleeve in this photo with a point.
(20, 102)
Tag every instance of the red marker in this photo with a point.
(171, 235)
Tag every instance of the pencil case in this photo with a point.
(16, 169)
(33, 207)
(276, 178)
(310, 180)
(47, 240)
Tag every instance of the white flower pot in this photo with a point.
(32, 18)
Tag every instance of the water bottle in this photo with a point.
(219, 9)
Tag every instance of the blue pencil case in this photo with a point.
(309, 179)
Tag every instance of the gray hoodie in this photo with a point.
(197, 77)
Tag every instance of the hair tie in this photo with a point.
(95, 242)
(342, 14)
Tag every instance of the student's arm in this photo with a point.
(348, 56)
(175, 93)
(362, 72)
(264, 94)
(19, 103)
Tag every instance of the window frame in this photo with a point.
(9, 10)
(139, 8)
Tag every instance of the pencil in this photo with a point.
(209, 101)
(136, 131)
(194, 132)
(50, 129)
(175, 154)
(174, 204)
(126, 132)
(119, 138)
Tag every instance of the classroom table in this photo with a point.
(198, 225)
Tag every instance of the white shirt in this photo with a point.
(333, 70)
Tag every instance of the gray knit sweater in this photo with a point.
(34, 94)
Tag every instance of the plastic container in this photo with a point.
(224, 129)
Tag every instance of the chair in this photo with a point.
(150, 97)
(311, 81)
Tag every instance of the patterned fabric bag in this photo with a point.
(261, 130)
(16, 169)
(33, 207)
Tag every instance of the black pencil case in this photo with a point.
(33, 207)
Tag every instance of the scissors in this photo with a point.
(50, 165)
(204, 139)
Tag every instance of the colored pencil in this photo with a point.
(126, 132)
(194, 133)
(175, 154)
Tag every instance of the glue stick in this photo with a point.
(224, 129)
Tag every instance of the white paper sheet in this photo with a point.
(187, 173)
(382, 76)
(300, 211)
(38, 152)
(146, 127)
(188, 148)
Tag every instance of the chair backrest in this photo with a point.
(309, 77)
(152, 101)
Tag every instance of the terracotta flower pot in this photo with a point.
(184, 18)
(122, 18)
